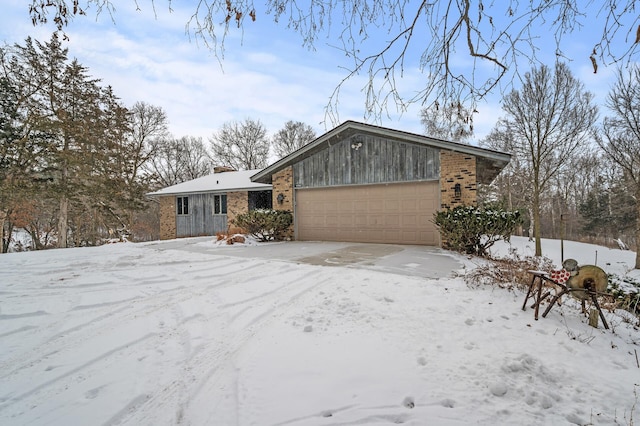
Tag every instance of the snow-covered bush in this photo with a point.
(626, 291)
(265, 224)
(472, 230)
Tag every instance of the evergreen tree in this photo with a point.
(69, 145)
(11, 157)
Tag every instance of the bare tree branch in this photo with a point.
(293, 136)
(177, 160)
(621, 132)
(550, 117)
(243, 146)
(432, 36)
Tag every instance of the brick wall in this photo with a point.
(282, 183)
(457, 168)
(168, 218)
(237, 203)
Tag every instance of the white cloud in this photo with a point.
(266, 74)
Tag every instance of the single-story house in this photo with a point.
(206, 206)
(357, 182)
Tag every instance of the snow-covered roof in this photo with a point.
(216, 182)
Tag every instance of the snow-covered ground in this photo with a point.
(195, 333)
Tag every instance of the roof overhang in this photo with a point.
(489, 162)
(160, 193)
(232, 181)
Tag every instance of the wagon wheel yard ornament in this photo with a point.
(585, 282)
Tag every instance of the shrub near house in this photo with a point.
(265, 224)
(473, 230)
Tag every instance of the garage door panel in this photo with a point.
(331, 220)
(360, 220)
(408, 221)
(360, 206)
(346, 221)
(374, 207)
(409, 235)
(393, 213)
(330, 206)
(425, 205)
(392, 206)
(425, 219)
(372, 220)
(392, 220)
(408, 205)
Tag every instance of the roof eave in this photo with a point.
(497, 157)
(263, 187)
(264, 176)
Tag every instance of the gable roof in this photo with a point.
(216, 182)
(490, 162)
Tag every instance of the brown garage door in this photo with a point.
(393, 213)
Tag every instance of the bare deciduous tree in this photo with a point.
(622, 134)
(196, 161)
(241, 145)
(148, 123)
(452, 122)
(425, 34)
(510, 184)
(550, 117)
(582, 201)
(130, 148)
(293, 136)
(178, 160)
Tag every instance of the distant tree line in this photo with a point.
(571, 174)
(75, 163)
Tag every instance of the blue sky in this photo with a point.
(266, 73)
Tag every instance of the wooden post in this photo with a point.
(593, 318)
(3, 216)
(561, 238)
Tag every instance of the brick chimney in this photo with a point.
(222, 169)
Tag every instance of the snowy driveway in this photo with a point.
(419, 261)
(184, 332)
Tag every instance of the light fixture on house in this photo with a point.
(457, 190)
(280, 198)
(356, 142)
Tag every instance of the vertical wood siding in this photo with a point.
(200, 220)
(366, 159)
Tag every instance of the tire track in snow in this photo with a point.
(7, 401)
(133, 405)
(68, 339)
(43, 392)
(18, 330)
(205, 357)
(62, 338)
(223, 359)
(209, 366)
